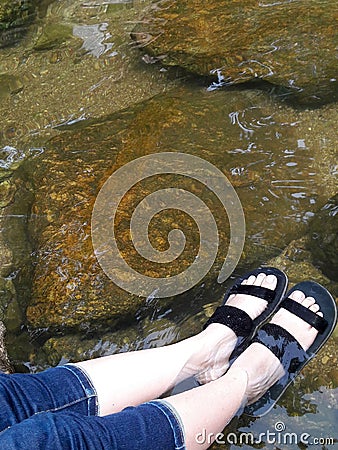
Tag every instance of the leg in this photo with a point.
(212, 406)
(203, 411)
(141, 428)
(56, 390)
(132, 377)
(140, 376)
(146, 426)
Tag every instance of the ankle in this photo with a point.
(214, 346)
(237, 376)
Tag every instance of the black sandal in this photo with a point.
(287, 349)
(237, 319)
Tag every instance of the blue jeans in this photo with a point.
(57, 409)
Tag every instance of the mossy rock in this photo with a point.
(15, 249)
(15, 13)
(5, 364)
(74, 348)
(288, 44)
(9, 85)
(15, 16)
(323, 241)
(53, 36)
(69, 288)
(296, 261)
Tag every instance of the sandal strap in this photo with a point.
(305, 314)
(236, 319)
(283, 345)
(256, 291)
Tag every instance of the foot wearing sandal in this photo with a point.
(264, 369)
(222, 331)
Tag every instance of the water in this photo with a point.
(72, 114)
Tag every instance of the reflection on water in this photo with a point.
(94, 39)
(88, 106)
(10, 155)
(315, 428)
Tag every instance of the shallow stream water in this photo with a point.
(78, 98)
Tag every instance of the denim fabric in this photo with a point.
(174, 420)
(57, 409)
(64, 388)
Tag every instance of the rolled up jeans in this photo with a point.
(58, 409)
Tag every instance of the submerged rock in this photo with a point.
(15, 248)
(288, 44)
(5, 364)
(9, 84)
(53, 36)
(15, 16)
(296, 261)
(228, 129)
(15, 12)
(73, 348)
(324, 238)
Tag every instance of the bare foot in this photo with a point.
(263, 368)
(217, 341)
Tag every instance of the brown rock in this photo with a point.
(289, 44)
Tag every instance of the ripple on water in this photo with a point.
(280, 160)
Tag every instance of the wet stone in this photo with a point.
(325, 360)
(324, 238)
(7, 191)
(228, 129)
(53, 36)
(157, 333)
(15, 15)
(74, 348)
(5, 364)
(9, 84)
(148, 333)
(15, 250)
(296, 261)
(288, 44)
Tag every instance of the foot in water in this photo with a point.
(217, 341)
(262, 367)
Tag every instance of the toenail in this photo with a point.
(270, 278)
(297, 295)
(308, 301)
(315, 307)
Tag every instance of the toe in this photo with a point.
(251, 280)
(298, 296)
(308, 301)
(260, 277)
(270, 282)
(314, 308)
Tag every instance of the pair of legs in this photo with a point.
(130, 379)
